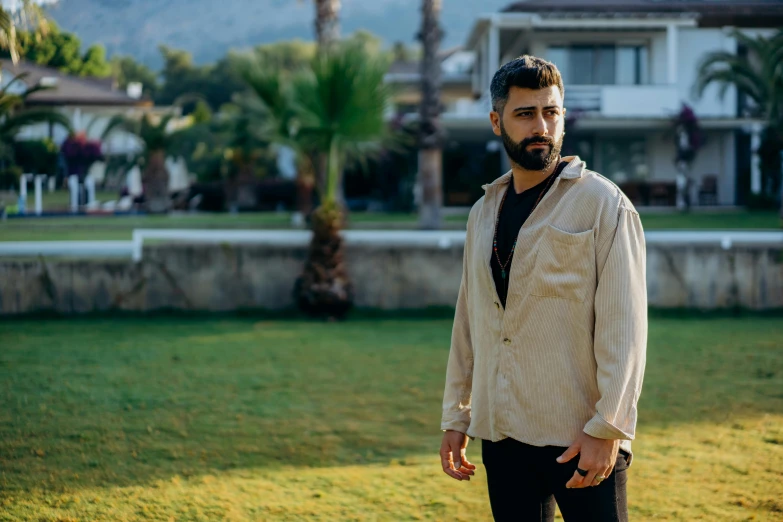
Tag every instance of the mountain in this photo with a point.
(208, 28)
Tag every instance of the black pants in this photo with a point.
(525, 481)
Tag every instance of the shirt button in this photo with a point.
(497, 305)
(507, 341)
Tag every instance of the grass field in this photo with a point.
(120, 227)
(236, 419)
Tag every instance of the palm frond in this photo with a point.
(344, 95)
(727, 69)
(18, 78)
(8, 35)
(155, 136)
(9, 102)
(756, 45)
(13, 124)
(267, 88)
(123, 123)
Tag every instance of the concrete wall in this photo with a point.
(225, 278)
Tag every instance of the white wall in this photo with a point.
(658, 59)
(693, 45)
(638, 100)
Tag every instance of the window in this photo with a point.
(622, 158)
(604, 64)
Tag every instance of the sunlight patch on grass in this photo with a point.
(240, 419)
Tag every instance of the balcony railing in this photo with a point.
(611, 101)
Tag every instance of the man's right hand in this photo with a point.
(452, 455)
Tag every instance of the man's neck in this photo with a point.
(526, 179)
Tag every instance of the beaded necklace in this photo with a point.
(550, 180)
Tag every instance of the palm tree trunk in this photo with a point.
(155, 181)
(327, 22)
(241, 190)
(327, 32)
(781, 188)
(430, 131)
(324, 288)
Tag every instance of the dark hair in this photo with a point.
(526, 72)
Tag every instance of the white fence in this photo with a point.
(388, 238)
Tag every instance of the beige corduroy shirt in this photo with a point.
(568, 352)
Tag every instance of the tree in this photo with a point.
(180, 76)
(27, 16)
(62, 50)
(335, 108)
(14, 116)
(430, 131)
(157, 140)
(289, 56)
(94, 62)
(759, 76)
(216, 84)
(126, 70)
(327, 22)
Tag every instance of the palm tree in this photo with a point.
(341, 105)
(759, 76)
(327, 22)
(430, 132)
(247, 143)
(28, 16)
(335, 108)
(14, 116)
(157, 140)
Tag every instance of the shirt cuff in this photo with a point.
(456, 425)
(600, 429)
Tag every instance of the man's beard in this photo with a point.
(536, 159)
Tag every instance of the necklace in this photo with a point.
(549, 181)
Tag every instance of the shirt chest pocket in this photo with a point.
(565, 265)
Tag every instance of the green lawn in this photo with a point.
(236, 419)
(120, 227)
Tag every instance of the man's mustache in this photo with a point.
(538, 139)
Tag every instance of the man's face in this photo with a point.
(531, 126)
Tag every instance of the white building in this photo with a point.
(628, 66)
(89, 104)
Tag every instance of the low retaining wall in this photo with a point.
(220, 277)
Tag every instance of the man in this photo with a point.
(547, 357)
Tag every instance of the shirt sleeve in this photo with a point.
(459, 372)
(620, 341)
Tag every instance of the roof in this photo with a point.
(711, 13)
(69, 90)
(413, 66)
(409, 71)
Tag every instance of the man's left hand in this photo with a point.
(596, 456)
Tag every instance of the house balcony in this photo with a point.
(605, 101)
(624, 101)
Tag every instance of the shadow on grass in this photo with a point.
(103, 401)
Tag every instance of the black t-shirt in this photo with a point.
(516, 209)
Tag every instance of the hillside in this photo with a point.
(208, 28)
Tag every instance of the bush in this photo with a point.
(761, 202)
(36, 156)
(9, 178)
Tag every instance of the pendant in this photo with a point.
(503, 274)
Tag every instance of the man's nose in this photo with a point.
(539, 126)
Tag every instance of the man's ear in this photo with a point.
(494, 118)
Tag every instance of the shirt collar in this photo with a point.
(573, 170)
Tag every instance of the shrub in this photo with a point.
(36, 156)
